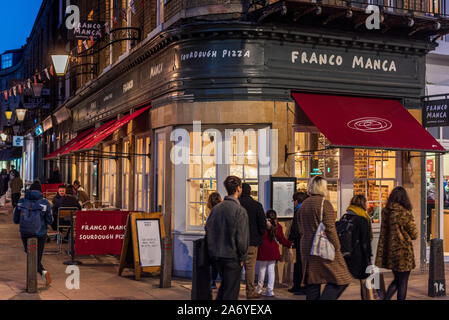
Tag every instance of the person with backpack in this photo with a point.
(395, 248)
(355, 234)
(268, 253)
(33, 214)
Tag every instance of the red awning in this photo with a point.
(55, 154)
(87, 138)
(352, 122)
(114, 127)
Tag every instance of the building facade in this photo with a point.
(213, 83)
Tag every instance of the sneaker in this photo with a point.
(46, 278)
(269, 294)
(258, 290)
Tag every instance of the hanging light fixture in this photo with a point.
(3, 136)
(21, 112)
(60, 62)
(8, 114)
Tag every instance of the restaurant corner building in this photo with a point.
(314, 98)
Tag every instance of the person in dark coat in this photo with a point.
(4, 180)
(257, 227)
(214, 199)
(268, 252)
(316, 270)
(361, 255)
(67, 201)
(294, 237)
(56, 176)
(227, 234)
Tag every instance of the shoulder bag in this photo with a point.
(321, 245)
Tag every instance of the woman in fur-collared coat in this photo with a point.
(316, 270)
(395, 248)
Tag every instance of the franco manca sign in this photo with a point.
(89, 30)
(435, 113)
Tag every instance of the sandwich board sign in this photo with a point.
(142, 244)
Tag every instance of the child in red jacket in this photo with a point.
(268, 253)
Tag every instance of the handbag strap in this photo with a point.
(321, 213)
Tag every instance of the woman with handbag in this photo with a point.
(317, 217)
(360, 257)
(395, 248)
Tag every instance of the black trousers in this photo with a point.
(15, 197)
(213, 273)
(229, 271)
(399, 284)
(297, 269)
(330, 292)
(40, 250)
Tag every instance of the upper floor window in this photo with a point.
(7, 60)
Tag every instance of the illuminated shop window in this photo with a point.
(142, 175)
(202, 176)
(375, 178)
(311, 160)
(125, 164)
(109, 177)
(244, 159)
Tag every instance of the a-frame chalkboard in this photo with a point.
(142, 244)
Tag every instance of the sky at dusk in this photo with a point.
(16, 22)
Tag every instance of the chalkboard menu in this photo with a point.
(435, 113)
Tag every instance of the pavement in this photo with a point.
(99, 278)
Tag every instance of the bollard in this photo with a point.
(167, 263)
(437, 282)
(32, 265)
(201, 289)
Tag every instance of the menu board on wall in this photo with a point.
(149, 240)
(282, 190)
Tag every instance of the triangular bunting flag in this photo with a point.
(51, 71)
(46, 73)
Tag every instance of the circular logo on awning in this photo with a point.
(370, 124)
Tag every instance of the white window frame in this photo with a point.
(145, 204)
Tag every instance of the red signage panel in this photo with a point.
(100, 232)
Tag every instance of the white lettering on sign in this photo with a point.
(156, 70)
(108, 97)
(226, 53)
(128, 86)
(359, 62)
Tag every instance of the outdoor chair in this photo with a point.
(64, 213)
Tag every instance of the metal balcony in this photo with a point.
(404, 18)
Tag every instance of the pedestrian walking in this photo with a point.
(395, 248)
(214, 199)
(16, 186)
(33, 213)
(361, 235)
(257, 226)
(316, 270)
(4, 185)
(227, 234)
(268, 253)
(294, 237)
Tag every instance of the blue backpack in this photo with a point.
(30, 218)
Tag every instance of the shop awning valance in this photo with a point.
(47, 124)
(111, 129)
(55, 154)
(354, 122)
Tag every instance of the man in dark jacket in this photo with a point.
(257, 227)
(294, 237)
(227, 235)
(67, 201)
(34, 199)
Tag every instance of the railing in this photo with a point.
(431, 8)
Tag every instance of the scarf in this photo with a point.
(362, 213)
